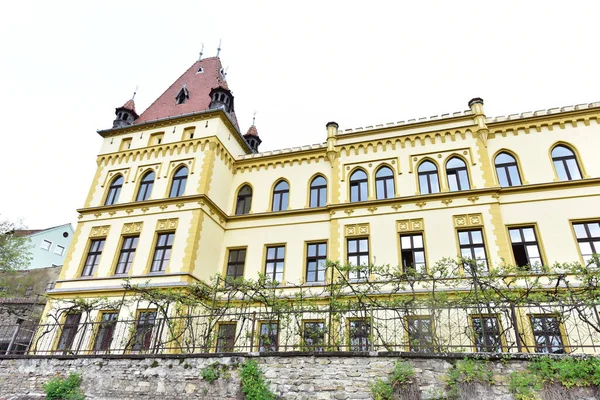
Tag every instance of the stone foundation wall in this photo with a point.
(291, 377)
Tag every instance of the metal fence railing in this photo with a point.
(488, 328)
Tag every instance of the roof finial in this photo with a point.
(134, 92)
(201, 51)
(225, 73)
(219, 48)
(254, 118)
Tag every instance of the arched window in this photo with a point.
(565, 163)
(179, 182)
(318, 192)
(358, 186)
(145, 187)
(281, 195)
(458, 178)
(384, 183)
(428, 178)
(244, 200)
(114, 190)
(507, 170)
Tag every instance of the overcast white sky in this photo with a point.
(65, 66)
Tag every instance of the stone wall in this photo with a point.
(291, 377)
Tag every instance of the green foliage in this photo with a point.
(15, 251)
(254, 386)
(154, 364)
(468, 371)
(210, 373)
(64, 389)
(402, 375)
(524, 385)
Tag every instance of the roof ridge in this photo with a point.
(545, 111)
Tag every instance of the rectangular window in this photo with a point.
(413, 253)
(235, 263)
(46, 244)
(162, 252)
(93, 257)
(546, 332)
(472, 249)
(316, 262)
(358, 256)
(588, 238)
(60, 250)
(525, 248)
(144, 327)
(226, 337)
(126, 256)
(106, 330)
(269, 336)
(188, 133)
(274, 263)
(360, 331)
(313, 335)
(69, 330)
(486, 332)
(125, 144)
(420, 334)
(156, 138)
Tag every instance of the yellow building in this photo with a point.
(181, 195)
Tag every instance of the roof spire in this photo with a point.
(201, 51)
(134, 92)
(219, 48)
(254, 117)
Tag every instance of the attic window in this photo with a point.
(182, 96)
(200, 70)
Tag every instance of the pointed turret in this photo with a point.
(252, 138)
(202, 87)
(126, 114)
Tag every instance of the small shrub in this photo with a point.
(382, 390)
(64, 389)
(401, 376)
(254, 386)
(210, 373)
(466, 373)
(524, 385)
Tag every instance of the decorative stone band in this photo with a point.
(461, 221)
(357, 230)
(132, 227)
(167, 224)
(100, 231)
(410, 225)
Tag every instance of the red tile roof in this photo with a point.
(252, 131)
(129, 105)
(198, 84)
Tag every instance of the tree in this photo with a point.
(15, 254)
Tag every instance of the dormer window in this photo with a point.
(200, 70)
(182, 96)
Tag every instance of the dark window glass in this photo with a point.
(565, 164)
(126, 255)
(420, 334)
(274, 263)
(114, 190)
(588, 238)
(93, 257)
(142, 338)
(507, 170)
(384, 183)
(145, 187)
(318, 192)
(106, 329)
(472, 249)
(179, 182)
(316, 258)
(413, 253)
(69, 330)
(458, 178)
(486, 332)
(226, 338)
(235, 263)
(314, 336)
(428, 178)
(360, 330)
(281, 195)
(546, 331)
(244, 200)
(162, 252)
(358, 255)
(525, 248)
(268, 340)
(359, 186)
